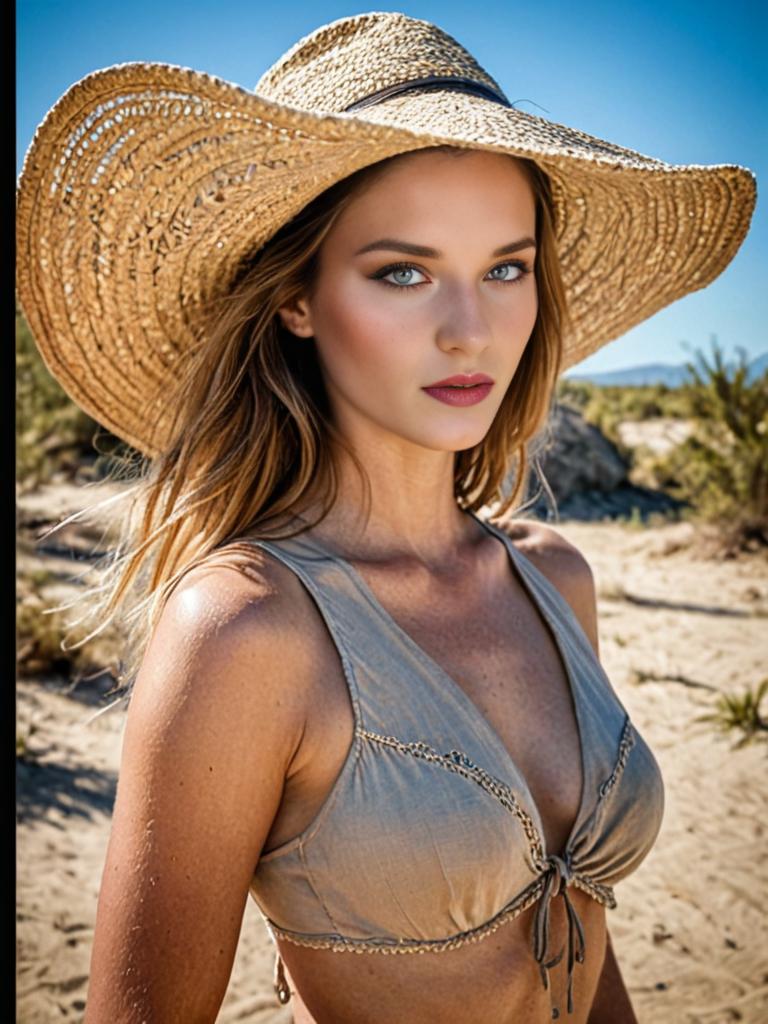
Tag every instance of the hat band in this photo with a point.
(431, 82)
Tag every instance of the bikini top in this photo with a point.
(429, 837)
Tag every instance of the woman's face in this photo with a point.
(468, 306)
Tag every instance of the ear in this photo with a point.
(297, 318)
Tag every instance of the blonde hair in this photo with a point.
(252, 438)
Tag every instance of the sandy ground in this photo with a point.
(690, 929)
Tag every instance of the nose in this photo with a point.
(463, 325)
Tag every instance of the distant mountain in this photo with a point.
(658, 373)
(635, 376)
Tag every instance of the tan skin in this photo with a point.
(230, 751)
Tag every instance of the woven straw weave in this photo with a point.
(147, 185)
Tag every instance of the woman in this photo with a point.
(332, 315)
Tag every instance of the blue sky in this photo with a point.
(683, 81)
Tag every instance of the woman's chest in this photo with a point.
(498, 650)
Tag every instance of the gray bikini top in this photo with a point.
(429, 837)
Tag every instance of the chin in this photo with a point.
(455, 442)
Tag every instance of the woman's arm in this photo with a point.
(611, 1004)
(213, 723)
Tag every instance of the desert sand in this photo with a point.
(690, 929)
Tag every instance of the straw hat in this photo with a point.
(147, 185)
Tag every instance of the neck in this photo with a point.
(413, 515)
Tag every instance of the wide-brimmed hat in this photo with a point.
(147, 186)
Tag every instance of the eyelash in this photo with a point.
(381, 274)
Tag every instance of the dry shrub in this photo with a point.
(740, 714)
(42, 630)
(721, 470)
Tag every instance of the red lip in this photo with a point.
(463, 378)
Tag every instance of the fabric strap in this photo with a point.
(455, 84)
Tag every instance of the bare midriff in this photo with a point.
(493, 981)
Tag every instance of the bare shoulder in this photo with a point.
(564, 565)
(543, 543)
(230, 612)
(240, 589)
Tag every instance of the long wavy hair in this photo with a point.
(252, 439)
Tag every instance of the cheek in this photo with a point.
(526, 310)
(510, 322)
(360, 340)
(517, 325)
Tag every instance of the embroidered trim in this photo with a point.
(456, 761)
(626, 744)
(340, 943)
(602, 893)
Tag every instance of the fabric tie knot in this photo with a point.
(558, 877)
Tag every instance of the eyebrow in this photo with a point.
(396, 245)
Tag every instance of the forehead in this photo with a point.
(454, 157)
(468, 187)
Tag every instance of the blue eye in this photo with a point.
(401, 274)
(518, 266)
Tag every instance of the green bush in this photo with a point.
(603, 403)
(576, 393)
(722, 468)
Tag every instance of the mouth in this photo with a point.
(460, 394)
